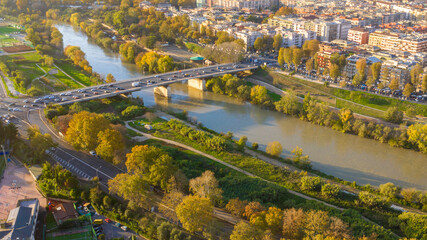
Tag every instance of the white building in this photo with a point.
(248, 37)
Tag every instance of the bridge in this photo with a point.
(194, 76)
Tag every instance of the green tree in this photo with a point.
(371, 201)
(311, 183)
(370, 82)
(39, 143)
(259, 94)
(195, 213)
(300, 159)
(413, 225)
(288, 104)
(417, 135)
(132, 111)
(274, 148)
(357, 80)
(393, 115)
(259, 44)
(206, 186)
(389, 190)
(330, 190)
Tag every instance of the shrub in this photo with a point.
(393, 115)
(311, 183)
(132, 112)
(274, 148)
(330, 190)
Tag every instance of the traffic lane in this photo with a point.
(111, 231)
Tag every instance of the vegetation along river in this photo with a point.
(349, 157)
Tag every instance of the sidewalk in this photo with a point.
(10, 86)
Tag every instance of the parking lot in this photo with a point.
(112, 231)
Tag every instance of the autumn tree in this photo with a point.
(274, 148)
(376, 70)
(417, 135)
(253, 208)
(416, 72)
(259, 44)
(300, 159)
(277, 42)
(84, 128)
(409, 88)
(334, 71)
(259, 94)
(394, 84)
(274, 219)
(287, 56)
(39, 143)
(293, 223)
(297, 55)
(245, 231)
(110, 78)
(309, 65)
(424, 84)
(195, 213)
(236, 207)
(280, 58)
(357, 80)
(110, 141)
(206, 186)
(169, 203)
(361, 67)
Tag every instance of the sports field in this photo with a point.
(80, 233)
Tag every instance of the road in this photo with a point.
(131, 85)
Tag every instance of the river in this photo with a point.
(349, 157)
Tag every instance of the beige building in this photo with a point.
(399, 42)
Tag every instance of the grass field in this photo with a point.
(7, 29)
(331, 95)
(73, 72)
(81, 234)
(7, 41)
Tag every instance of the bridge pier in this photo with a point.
(162, 91)
(197, 84)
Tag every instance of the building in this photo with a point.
(396, 69)
(358, 35)
(22, 220)
(246, 4)
(248, 37)
(63, 211)
(350, 67)
(324, 59)
(415, 43)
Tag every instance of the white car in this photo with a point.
(93, 153)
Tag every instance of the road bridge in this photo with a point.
(160, 82)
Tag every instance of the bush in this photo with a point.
(255, 146)
(311, 183)
(274, 148)
(371, 201)
(132, 112)
(393, 115)
(330, 190)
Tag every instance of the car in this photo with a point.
(85, 95)
(120, 88)
(107, 220)
(95, 93)
(76, 97)
(106, 91)
(124, 228)
(93, 153)
(93, 90)
(110, 85)
(34, 105)
(26, 101)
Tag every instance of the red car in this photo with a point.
(107, 220)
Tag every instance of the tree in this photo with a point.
(376, 70)
(316, 222)
(334, 71)
(417, 135)
(413, 225)
(299, 158)
(75, 18)
(297, 55)
(309, 65)
(287, 56)
(253, 208)
(131, 187)
(409, 88)
(236, 207)
(280, 58)
(288, 104)
(151, 164)
(110, 142)
(277, 42)
(274, 148)
(389, 190)
(169, 202)
(245, 231)
(310, 183)
(195, 213)
(274, 219)
(259, 44)
(39, 143)
(293, 223)
(132, 112)
(416, 72)
(357, 80)
(361, 67)
(394, 84)
(393, 115)
(110, 78)
(206, 186)
(330, 190)
(370, 82)
(84, 128)
(369, 200)
(424, 84)
(259, 94)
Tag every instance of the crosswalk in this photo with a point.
(67, 165)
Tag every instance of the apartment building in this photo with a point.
(350, 67)
(396, 69)
(246, 4)
(248, 37)
(415, 43)
(22, 220)
(358, 35)
(324, 59)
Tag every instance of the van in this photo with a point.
(136, 84)
(97, 221)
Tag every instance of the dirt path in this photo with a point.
(224, 163)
